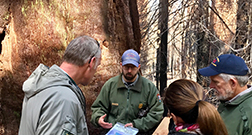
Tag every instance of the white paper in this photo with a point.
(119, 129)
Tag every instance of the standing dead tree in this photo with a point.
(197, 32)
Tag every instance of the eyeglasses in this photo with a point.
(95, 51)
(127, 67)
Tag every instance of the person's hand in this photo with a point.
(128, 125)
(104, 124)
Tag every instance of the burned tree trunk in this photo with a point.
(162, 59)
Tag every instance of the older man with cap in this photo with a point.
(128, 98)
(229, 77)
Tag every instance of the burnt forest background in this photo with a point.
(173, 37)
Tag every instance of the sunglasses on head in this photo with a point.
(95, 51)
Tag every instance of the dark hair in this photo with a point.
(184, 98)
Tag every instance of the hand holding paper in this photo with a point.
(128, 125)
(120, 129)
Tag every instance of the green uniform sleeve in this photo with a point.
(245, 124)
(100, 105)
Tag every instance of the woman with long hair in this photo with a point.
(191, 114)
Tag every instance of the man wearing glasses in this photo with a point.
(53, 103)
(128, 98)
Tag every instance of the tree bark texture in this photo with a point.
(163, 44)
(34, 32)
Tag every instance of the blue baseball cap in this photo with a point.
(130, 57)
(226, 63)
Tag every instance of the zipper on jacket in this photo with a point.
(127, 107)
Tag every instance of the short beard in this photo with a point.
(129, 78)
(228, 94)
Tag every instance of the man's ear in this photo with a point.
(233, 82)
(139, 65)
(92, 62)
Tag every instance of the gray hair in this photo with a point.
(80, 50)
(242, 80)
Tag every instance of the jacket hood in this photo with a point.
(44, 77)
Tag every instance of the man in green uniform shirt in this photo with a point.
(128, 98)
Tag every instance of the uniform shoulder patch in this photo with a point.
(159, 98)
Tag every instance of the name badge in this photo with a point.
(115, 104)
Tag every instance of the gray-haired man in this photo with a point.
(229, 77)
(53, 103)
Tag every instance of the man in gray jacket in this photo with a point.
(53, 103)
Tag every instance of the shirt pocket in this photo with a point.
(114, 109)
